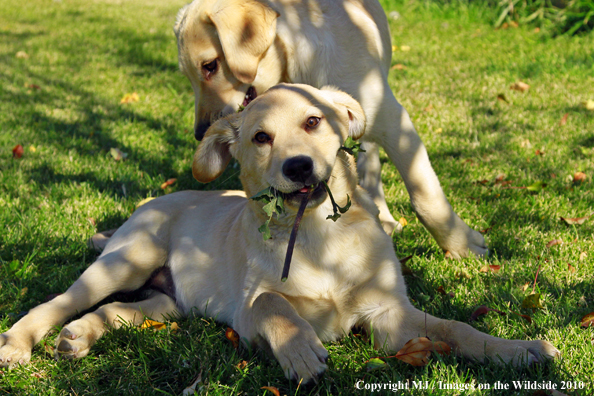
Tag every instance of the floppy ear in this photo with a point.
(180, 20)
(213, 155)
(246, 29)
(355, 111)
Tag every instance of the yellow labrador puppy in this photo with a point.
(206, 249)
(232, 50)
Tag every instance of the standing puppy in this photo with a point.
(206, 249)
(233, 50)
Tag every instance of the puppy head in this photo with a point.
(288, 139)
(221, 44)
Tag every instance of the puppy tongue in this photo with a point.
(304, 190)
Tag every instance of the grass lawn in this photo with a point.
(65, 65)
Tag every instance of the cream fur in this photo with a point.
(343, 273)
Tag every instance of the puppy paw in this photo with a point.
(302, 357)
(13, 350)
(524, 353)
(75, 340)
(461, 240)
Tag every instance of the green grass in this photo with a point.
(85, 56)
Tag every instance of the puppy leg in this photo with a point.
(397, 322)
(291, 338)
(127, 268)
(77, 338)
(394, 130)
(369, 169)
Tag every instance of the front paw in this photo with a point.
(302, 356)
(460, 240)
(524, 353)
(13, 350)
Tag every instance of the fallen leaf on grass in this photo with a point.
(168, 183)
(32, 149)
(33, 86)
(439, 130)
(241, 365)
(17, 151)
(525, 286)
(588, 104)
(152, 324)
(501, 97)
(374, 364)
(588, 320)
(526, 317)
(536, 186)
(482, 310)
(575, 220)
(403, 222)
(571, 268)
(271, 389)
(519, 86)
(398, 66)
(579, 177)
(564, 119)
(493, 268)
(554, 242)
(129, 98)
(532, 301)
(190, 390)
(232, 336)
(416, 352)
(117, 154)
(146, 200)
(539, 152)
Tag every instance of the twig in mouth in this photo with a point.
(293, 236)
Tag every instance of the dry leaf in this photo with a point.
(190, 390)
(554, 242)
(22, 55)
(117, 154)
(17, 151)
(129, 98)
(139, 204)
(532, 301)
(519, 86)
(525, 286)
(271, 389)
(579, 177)
(403, 222)
(501, 97)
(589, 104)
(439, 130)
(539, 152)
(482, 310)
(528, 318)
(564, 119)
(92, 221)
(241, 365)
(493, 268)
(571, 268)
(24, 291)
(499, 178)
(168, 183)
(174, 327)
(232, 336)
(575, 220)
(536, 29)
(588, 320)
(398, 66)
(416, 352)
(152, 324)
(32, 149)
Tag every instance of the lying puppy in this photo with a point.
(344, 273)
(232, 50)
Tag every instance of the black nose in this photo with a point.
(298, 169)
(200, 129)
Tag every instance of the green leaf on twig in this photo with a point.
(352, 147)
(337, 209)
(274, 205)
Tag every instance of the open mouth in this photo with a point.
(297, 196)
(249, 96)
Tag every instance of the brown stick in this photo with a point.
(293, 236)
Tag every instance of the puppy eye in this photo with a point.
(262, 137)
(210, 68)
(312, 122)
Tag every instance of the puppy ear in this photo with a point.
(180, 20)
(355, 111)
(246, 29)
(213, 155)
